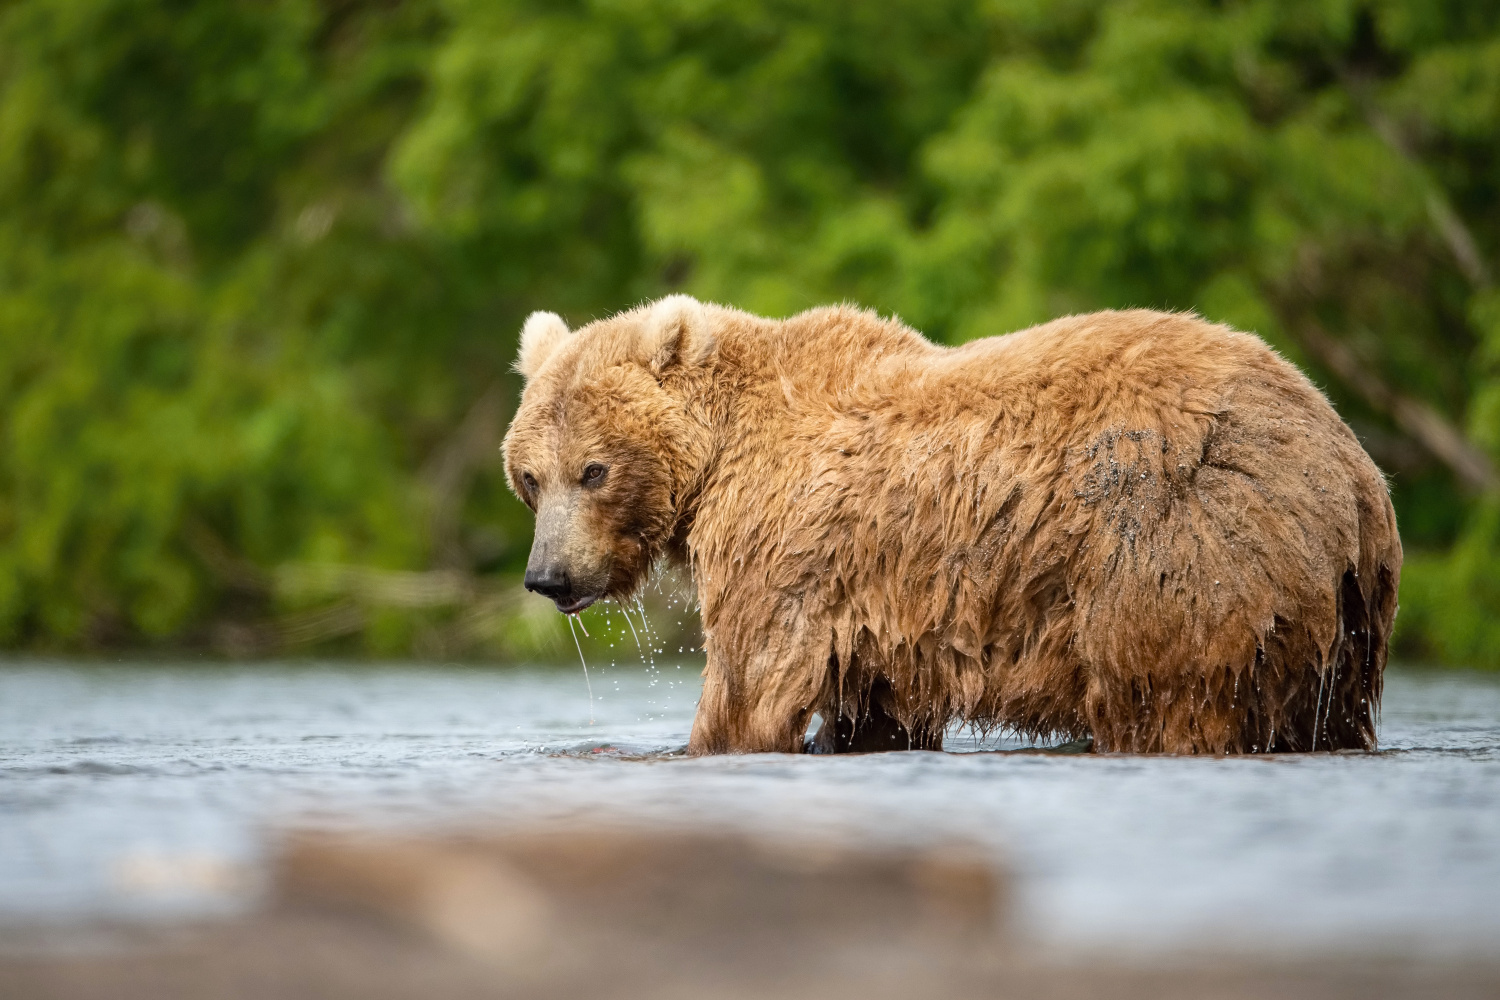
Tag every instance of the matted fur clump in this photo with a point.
(1134, 526)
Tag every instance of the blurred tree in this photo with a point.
(221, 349)
(261, 264)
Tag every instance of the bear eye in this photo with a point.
(528, 481)
(594, 473)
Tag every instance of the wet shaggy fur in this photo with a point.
(1134, 526)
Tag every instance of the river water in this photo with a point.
(154, 792)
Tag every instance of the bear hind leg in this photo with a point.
(1334, 706)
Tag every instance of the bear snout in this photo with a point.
(556, 583)
(552, 582)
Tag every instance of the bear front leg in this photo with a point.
(716, 722)
(746, 715)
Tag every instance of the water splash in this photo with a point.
(1318, 705)
(651, 649)
(578, 646)
(633, 632)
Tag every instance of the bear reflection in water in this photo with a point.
(1135, 527)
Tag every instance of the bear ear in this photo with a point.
(676, 333)
(543, 334)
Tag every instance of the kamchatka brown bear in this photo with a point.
(1135, 526)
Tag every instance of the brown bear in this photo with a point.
(1136, 527)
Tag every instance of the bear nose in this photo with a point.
(551, 582)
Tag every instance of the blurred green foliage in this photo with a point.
(262, 261)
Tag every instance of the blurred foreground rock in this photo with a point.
(635, 913)
(530, 901)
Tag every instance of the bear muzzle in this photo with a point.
(555, 583)
(565, 566)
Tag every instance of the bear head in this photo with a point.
(603, 448)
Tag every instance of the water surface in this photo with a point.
(152, 792)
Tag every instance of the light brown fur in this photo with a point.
(1135, 526)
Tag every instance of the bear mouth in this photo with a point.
(576, 605)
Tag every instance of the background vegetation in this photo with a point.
(262, 262)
